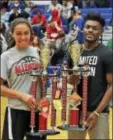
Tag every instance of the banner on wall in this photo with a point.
(41, 2)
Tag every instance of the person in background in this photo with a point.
(55, 35)
(37, 44)
(101, 3)
(4, 4)
(15, 82)
(72, 18)
(79, 22)
(56, 18)
(60, 1)
(5, 14)
(39, 23)
(54, 5)
(15, 14)
(29, 7)
(3, 43)
(99, 59)
(88, 3)
(24, 14)
(66, 10)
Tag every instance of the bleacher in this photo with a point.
(107, 35)
(105, 12)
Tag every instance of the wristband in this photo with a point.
(96, 113)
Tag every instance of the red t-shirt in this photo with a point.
(37, 20)
(53, 33)
(56, 17)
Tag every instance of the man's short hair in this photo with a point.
(95, 17)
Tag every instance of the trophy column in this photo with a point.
(85, 92)
(53, 110)
(33, 135)
(64, 97)
(33, 111)
(42, 119)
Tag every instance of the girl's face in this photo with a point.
(21, 35)
(35, 41)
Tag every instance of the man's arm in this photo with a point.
(108, 94)
(36, 25)
(93, 117)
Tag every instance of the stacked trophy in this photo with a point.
(74, 121)
(43, 106)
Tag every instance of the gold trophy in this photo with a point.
(45, 58)
(75, 52)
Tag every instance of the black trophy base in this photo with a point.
(41, 134)
(52, 132)
(70, 127)
(34, 136)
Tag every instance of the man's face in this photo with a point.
(92, 31)
(64, 2)
(38, 13)
(15, 10)
(54, 2)
(52, 24)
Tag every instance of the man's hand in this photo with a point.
(91, 121)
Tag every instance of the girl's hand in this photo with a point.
(30, 100)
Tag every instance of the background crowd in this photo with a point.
(66, 13)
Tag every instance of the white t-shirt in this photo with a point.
(66, 11)
(16, 66)
(3, 44)
(57, 6)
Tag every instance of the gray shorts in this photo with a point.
(100, 131)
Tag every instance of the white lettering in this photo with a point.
(92, 71)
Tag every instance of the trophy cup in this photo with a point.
(75, 51)
(45, 58)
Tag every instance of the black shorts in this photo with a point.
(20, 122)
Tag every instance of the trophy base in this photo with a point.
(40, 134)
(69, 127)
(52, 132)
(35, 136)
